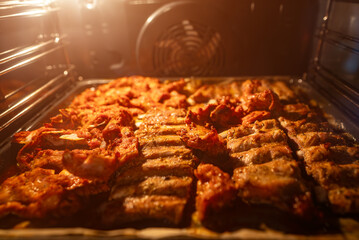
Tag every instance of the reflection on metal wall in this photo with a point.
(33, 62)
(336, 62)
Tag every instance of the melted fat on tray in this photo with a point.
(178, 152)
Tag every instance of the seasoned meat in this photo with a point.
(283, 91)
(344, 200)
(264, 171)
(315, 138)
(215, 191)
(48, 138)
(260, 155)
(331, 159)
(157, 185)
(300, 111)
(303, 126)
(208, 141)
(326, 152)
(256, 116)
(219, 115)
(49, 159)
(277, 183)
(170, 166)
(330, 175)
(91, 164)
(208, 92)
(40, 193)
(164, 151)
(262, 101)
(168, 209)
(250, 87)
(256, 140)
(157, 130)
(164, 117)
(247, 129)
(161, 140)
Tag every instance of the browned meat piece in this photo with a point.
(114, 126)
(165, 151)
(256, 140)
(330, 175)
(167, 143)
(227, 112)
(303, 125)
(344, 200)
(163, 117)
(47, 138)
(91, 164)
(300, 111)
(49, 159)
(57, 139)
(168, 209)
(222, 114)
(23, 137)
(176, 100)
(336, 170)
(260, 155)
(208, 92)
(309, 139)
(326, 152)
(280, 88)
(256, 116)
(158, 130)
(40, 193)
(172, 166)
(277, 183)
(27, 137)
(67, 119)
(250, 87)
(256, 127)
(215, 190)
(208, 141)
(161, 140)
(262, 101)
(157, 185)
(125, 147)
(63, 140)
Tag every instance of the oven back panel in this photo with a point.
(166, 38)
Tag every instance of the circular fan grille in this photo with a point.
(188, 48)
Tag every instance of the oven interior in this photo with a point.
(49, 46)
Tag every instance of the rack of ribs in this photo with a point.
(157, 185)
(330, 156)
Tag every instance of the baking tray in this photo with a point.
(345, 228)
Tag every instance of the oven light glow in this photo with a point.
(90, 4)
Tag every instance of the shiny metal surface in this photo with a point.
(33, 60)
(335, 71)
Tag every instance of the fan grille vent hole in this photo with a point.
(189, 49)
